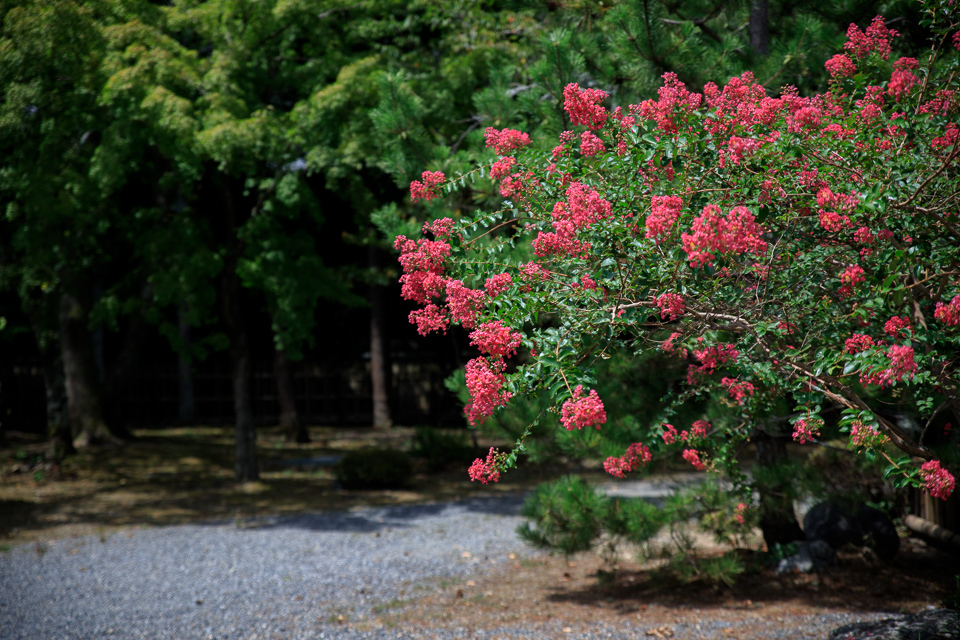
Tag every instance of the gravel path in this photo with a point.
(276, 578)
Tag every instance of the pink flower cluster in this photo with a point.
(664, 211)
(517, 184)
(671, 306)
(441, 228)
(429, 319)
(504, 141)
(637, 455)
(423, 264)
(949, 313)
(849, 279)
(806, 430)
(531, 273)
(693, 457)
(699, 429)
(738, 389)
(740, 513)
(895, 325)
(498, 284)
(858, 343)
(673, 98)
(583, 207)
(485, 470)
(496, 339)
(876, 38)
(588, 283)
(583, 106)
(583, 410)
(862, 435)
(902, 79)
(502, 167)
(428, 187)
(711, 358)
(949, 138)
(465, 304)
(715, 235)
(840, 66)
(668, 346)
(590, 145)
(485, 382)
(669, 433)
(938, 481)
(902, 365)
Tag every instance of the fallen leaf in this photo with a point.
(471, 583)
(512, 556)
(567, 629)
(299, 598)
(566, 575)
(459, 593)
(465, 554)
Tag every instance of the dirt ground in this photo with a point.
(176, 476)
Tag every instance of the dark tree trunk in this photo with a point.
(120, 374)
(83, 393)
(777, 520)
(289, 418)
(245, 467)
(58, 418)
(187, 407)
(378, 369)
(760, 27)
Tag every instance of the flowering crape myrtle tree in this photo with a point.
(805, 248)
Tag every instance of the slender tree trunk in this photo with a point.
(58, 418)
(378, 369)
(83, 393)
(777, 520)
(289, 418)
(760, 26)
(187, 412)
(121, 372)
(245, 467)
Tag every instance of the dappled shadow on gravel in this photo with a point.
(916, 577)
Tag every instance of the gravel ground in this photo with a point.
(286, 578)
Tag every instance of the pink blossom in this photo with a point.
(858, 343)
(485, 382)
(938, 482)
(693, 457)
(548, 243)
(806, 431)
(863, 235)
(498, 284)
(442, 228)
(949, 313)
(713, 357)
(517, 184)
(485, 471)
(502, 167)
(699, 429)
(840, 66)
(669, 434)
(740, 513)
(833, 221)
(429, 319)
(902, 365)
(496, 339)
(532, 273)
(465, 304)
(636, 455)
(588, 283)
(590, 145)
(850, 278)
(862, 435)
(507, 140)
(583, 410)
(948, 139)
(902, 80)
(429, 188)
(673, 100)
(715, 235)
(827, 199)
(583, 106)
(584, 206)
(664, 211)
(876, 38)
(671, 306)
(894, 325)
(738, 390)
(669, 347)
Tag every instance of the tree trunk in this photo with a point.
(58, 419)
(777, 520)
(83, 393)
(378, 369)
(245, 466)
(289, 419)
(760, 27)
(119, 375)
(187, 411)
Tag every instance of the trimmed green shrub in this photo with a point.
(441, 450)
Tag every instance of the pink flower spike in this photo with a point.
(485, 471)
(938, 482)
(429, 188)
(583, 410)
(693, 457)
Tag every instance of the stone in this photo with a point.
(934, 624)
(828, 522)
(878, 532)
(812, 555)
